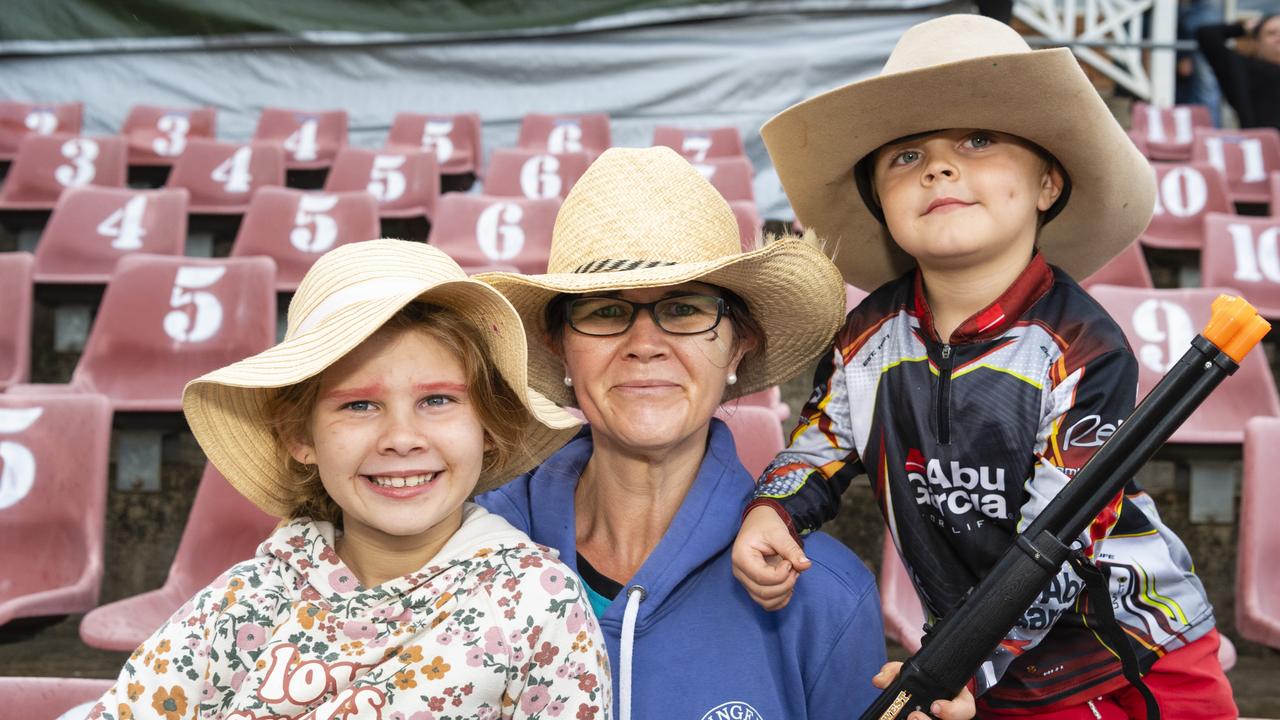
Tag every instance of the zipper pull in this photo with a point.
(946, 352)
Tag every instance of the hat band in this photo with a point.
(607, 265)
(372, 289)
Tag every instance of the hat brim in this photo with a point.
(1041, 96)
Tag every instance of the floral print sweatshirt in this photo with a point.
(494, 626)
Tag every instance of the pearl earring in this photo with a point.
(732, 379)
(568, 381)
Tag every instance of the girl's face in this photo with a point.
(396, 440)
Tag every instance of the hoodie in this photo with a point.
(684, 638)
(492, 627)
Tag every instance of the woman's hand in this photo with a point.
(961, 707)
(766, 559)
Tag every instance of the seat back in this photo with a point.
(698, 145)
(91, 228)
(221, 177)
(404, 183)
(1241, 252)
(311, 140)
(167, 320)
(557, 134)
(1160, 325)
(1185, 193)
(750, 226)
(1257, 582)
(19, 119)
(1168, 132)
(1275, 194)
(899, 604)
(482, 230)
(853, 297)
(1244, 157)
(530, 174)
(1128, 267)
(53, 492)
(732, 176)
(223, 529)
(15, 321)
(51, 698)
(157, 135)
(757, 434)
(48, 164)
(453, 139)
(294, 228)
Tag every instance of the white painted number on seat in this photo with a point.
(175, 128)
(233, 172)
(435, 134)
(311, 212)
(540, 177)
(179, 323)
(1256, 261)
(386, 181)
(125, 225)
(302, 143)
(498, 231)
(1164, 340)
(81, 152)
(17, 464)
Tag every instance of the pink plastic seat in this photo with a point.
(769, 398)
(731, 176)
(1257, 582)
(1159, 325)
(91, 228)
(899, 604)
(15, 321)
(52, 502)
(311, 140)
(222, 530)
(531, 174)
(1275, 194)
(558, 134)
(221, 177)
(1140, 141)
(453, 139)
(51, 698)
(698, 145)
(1168, 132)
(1240, 252)
(294, 228)
(1128, 268)
(157, 135)
(1244, 157)
(853, 297)
(48, 164)
(750, 226)
(20, 119)
(757, 434)
(406, 184)
(1185, 193)
(481, 231)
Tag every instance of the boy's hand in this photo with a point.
(766, 559)
(961, 707)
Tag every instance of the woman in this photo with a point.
(1251, 83)
(652, 317)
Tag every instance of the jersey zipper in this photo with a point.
(944, 396)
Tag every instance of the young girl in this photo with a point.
(399, 390)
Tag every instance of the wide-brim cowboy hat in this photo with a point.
(344, 298)
(963, 71)
(641, 218)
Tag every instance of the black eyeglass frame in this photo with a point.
(722, 309)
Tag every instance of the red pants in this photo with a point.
(1188, 683)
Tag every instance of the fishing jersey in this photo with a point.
(965, 443)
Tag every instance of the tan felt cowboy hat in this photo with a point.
(643, 218)
(348, 294)
(962, 71)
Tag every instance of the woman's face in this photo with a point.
(646, 389)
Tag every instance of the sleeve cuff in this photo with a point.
(782, 513)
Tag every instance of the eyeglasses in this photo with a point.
(679, 315)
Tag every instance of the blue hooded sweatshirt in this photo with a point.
(693, 644)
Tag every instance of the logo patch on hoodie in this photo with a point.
(733, 710)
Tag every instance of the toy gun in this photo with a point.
(957, 646)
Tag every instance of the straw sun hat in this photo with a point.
(348, 294)
(963, 71)
(641, 218)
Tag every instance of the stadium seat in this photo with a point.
(53, 493)
(223, 529)
(48, 164)
(1168, 132)
(221, 177)
(731, 176)
(405, 184)
(19, 119)
(1185, 193)
(157, 135)
(698, 145)
(1244, 157)
(1240, 252)
(51, 698)
(757, 434)
(295, 227)
(558, 134)
(853, 297)
(91, 228)
(769, 398)
(455, 139)
(899, 604)
(750, 226)
(530, 174)
(1275, 194)
(15, 320)
(166, 320)
(1159, 325)
(1257, 582)
(311, 140)
(481, 231)
(1128, 268)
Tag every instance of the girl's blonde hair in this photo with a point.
(504, 418)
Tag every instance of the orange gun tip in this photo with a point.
(1235, 326)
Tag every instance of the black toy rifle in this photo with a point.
(957, 646)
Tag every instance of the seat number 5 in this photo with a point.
(179, 324)
(17, 464)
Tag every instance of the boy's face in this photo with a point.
(960, 198)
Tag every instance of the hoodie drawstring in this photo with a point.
(635, 594)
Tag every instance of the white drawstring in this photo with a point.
(635, 594)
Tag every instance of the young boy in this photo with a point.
(972, 387)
